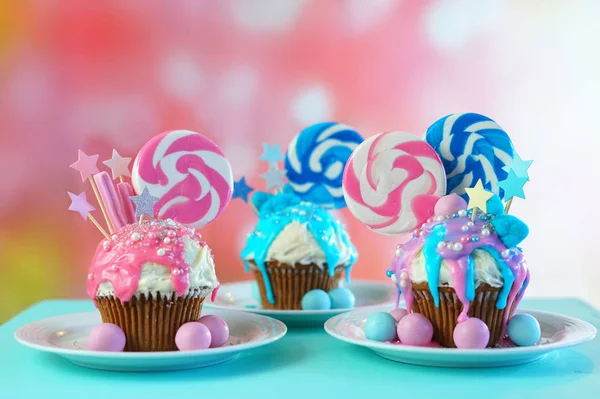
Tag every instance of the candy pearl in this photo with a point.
(455, 215)
(441, 245)
(380, 326)
(416, 232)
(505, 254)
(464, 240)
(475, 239)
(462, 213)
(440, 218)
(193, 336)
(465, 228)
(429, 220)
(415, 329)
(115, 267)
(114, 236)
(90, 276)
(485, 232)
(167, 240)
(470, 224)
(219, 330)
(423, 225)
(457, 246)
(151, 235)
(171, 234)
(106, 337)
(398, 252)
(398, 314)
(161, 252)
(403, 284)
(136, 236)
(389, 273)
(471, 334)
(403, 275)
(524, 330)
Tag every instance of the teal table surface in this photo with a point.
(306, 363)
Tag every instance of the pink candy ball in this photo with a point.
(219, 330)
(398, 313)
(449, 204)
(193, 336)
(471, 334)
(415, 329)
(106, 337)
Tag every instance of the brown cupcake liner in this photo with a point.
(151, 322)
(290, 283)
(445, 317)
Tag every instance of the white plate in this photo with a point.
(558, 332)
(244, 296)
(66, 336)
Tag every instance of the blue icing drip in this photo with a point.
(279, 211)
(433, 260)
(507, 275)
(470, 278)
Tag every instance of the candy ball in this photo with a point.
(398, 314)
(381, 326)
(106, 337)
(415, 329)
(524, 330)
(316, 300)
(219, 330)
(471, 334)
(342, 298)
(193, 336)
(449, 204)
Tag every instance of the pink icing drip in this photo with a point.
(120, 260)
(213, 296)
(458, 272)
(111, 201)
(125, 192)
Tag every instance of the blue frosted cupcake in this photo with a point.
(297, 246)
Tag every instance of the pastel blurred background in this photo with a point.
(99, 75)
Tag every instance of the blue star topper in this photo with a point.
(272, 154)
(241, 189)
(273, 178)
(513, 186)
(144, 203)
(519, 166)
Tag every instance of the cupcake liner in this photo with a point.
(290, 283)
(151, 322)
(444, 318)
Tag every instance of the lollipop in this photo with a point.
(315, 162)
(189, 174)
(472, 147)
(392, 182)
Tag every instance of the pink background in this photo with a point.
(111, 74)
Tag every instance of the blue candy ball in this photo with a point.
(342, 298)
(381, 326)
(524, 330)
(316, 300)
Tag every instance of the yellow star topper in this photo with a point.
(478, 197)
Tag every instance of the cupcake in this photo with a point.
(149, 280)
(455, 268)
(296, 247)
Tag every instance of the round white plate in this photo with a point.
(66, 336)
(558, 332)
(244, 296)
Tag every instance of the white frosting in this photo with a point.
(156, 277)
(486, 270)
(296, 244)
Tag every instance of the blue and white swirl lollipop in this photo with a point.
(315, 161)
(472, 147)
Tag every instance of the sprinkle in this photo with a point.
(439, 218)
(462, 213)
(403, 275)
(455, 215)
(403, 284)
(171, 234)
(90, 276)
(475, 239)
(441, 245)
(470, 223)
(136, 236)
(423, 225)
(114, 236)
(115, 267)
(151, 235)
(388, 273)
(167, 240)
(485, 232)
(161, 252)
(465, 239)
(398, 252)
(457, 246)
(505, 254)
(394, 279)
(429, 220)
(465, 228)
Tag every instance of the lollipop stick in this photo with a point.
(507, 206)
(102, 208)
(473, 214)
(121, 179)
(141, 219)
(93, 219)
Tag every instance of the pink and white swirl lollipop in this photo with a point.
(392, 182)
(188, 172)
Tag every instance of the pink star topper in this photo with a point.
(118, 165)
(86, 165)
(80, 204)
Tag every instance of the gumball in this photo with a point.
(415, 329)
(471, 334)
(524, 330)
(398, 313)
(219, 330)
(106, 337)
(381, 326)
(316, 300)
(342, 298)
(193, 336)
(449, 204)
